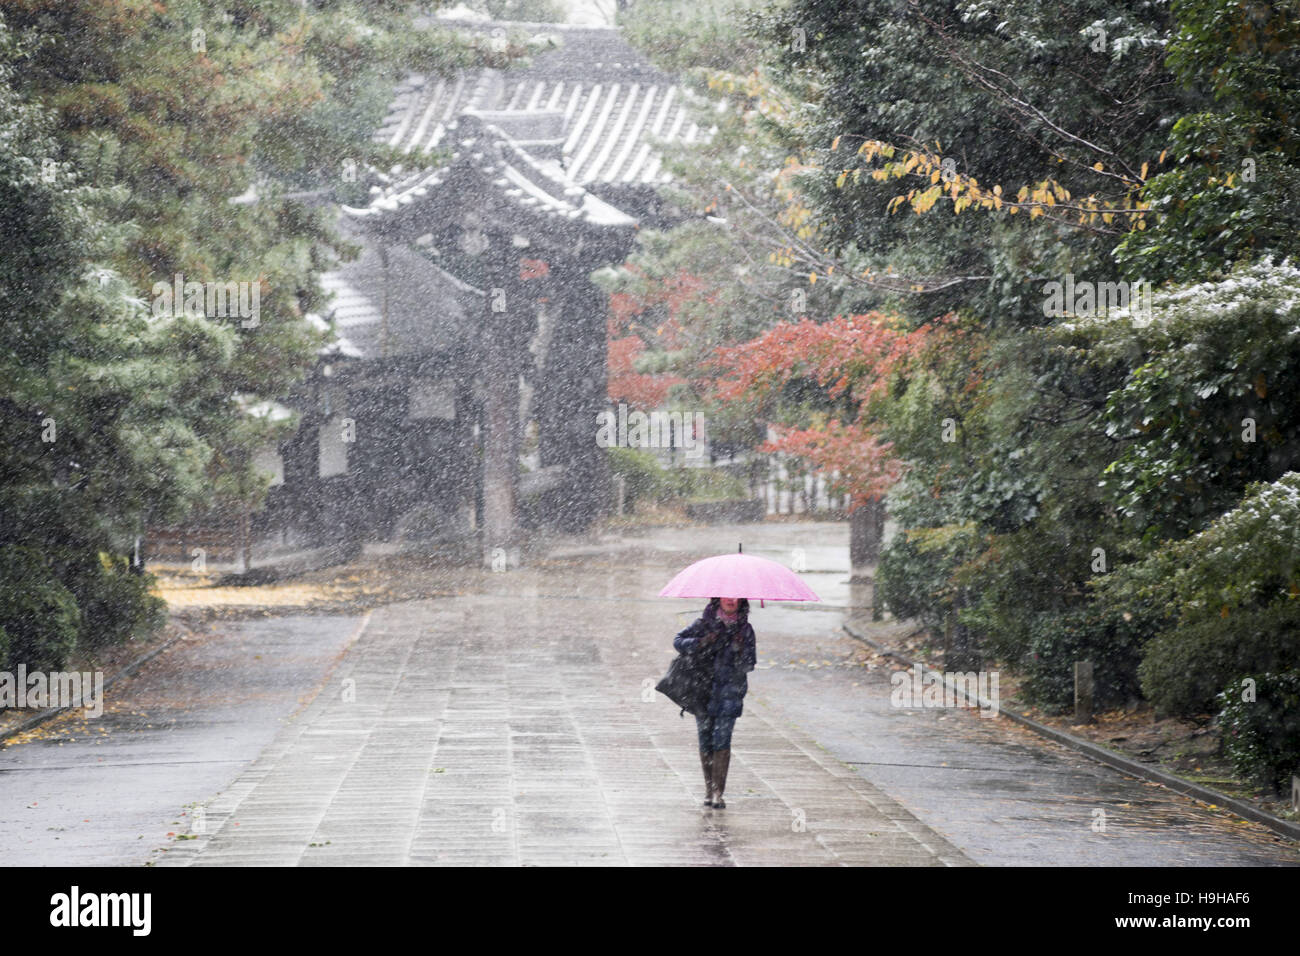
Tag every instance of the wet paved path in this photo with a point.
(516, 723)
(512, 730)
(107, 791)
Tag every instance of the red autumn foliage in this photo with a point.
(857, 353)
(638, 389)
(853, 355)
(850, 451)
(666, 298)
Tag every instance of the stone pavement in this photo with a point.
(510, 719)
(104, 791)
(515, 730)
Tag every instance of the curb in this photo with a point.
(37, 719)
(1102, 755)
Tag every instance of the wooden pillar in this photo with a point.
(501, 350)
(576, 378)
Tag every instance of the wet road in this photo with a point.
(513, 724)
(109, 790)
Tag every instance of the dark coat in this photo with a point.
(737, 653)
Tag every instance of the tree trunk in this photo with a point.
(245, 561)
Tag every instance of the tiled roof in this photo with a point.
(609, 128)
(614, 106)
(539, 188)
(358, 293)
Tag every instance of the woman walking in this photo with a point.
(724, 631)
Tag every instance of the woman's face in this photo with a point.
(729, 604)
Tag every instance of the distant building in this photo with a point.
(469, 327)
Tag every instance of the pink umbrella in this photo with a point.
(739, 576)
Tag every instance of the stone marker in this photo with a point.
(1083, 688)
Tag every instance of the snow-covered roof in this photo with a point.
(540, 189)
(615, 106)
(357, 295)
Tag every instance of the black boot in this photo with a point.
(721, 760)
(706, 761)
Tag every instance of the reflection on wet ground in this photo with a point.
(511, 719)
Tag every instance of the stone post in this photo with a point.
(1083, 692)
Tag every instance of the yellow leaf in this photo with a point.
(835, 144)
(997, 190)
(1143, 174)
(839, 180)
(1098, 167)
(812, 278)
(1163, 153)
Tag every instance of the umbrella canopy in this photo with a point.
(739, 576)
